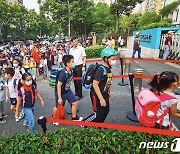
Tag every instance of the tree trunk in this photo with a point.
(117, 22)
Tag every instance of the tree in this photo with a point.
(78, 11)
(102, 20)
(123, 7)
(148, 18)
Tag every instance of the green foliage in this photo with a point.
(78, 11)
(102, 20)
(169, 8)
(82, 141)
(148, 18)
(94, 51)
(128, 24)
(22, 24)
(162, 23)
(123, 7)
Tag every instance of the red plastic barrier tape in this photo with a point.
(122, 76)
(118, 127)
(152, 60)
(138, 59)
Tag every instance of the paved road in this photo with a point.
(120, 103)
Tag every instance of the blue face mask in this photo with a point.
(73, 65)
(29, 83)
(1, 79)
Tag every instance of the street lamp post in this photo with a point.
(69, 21)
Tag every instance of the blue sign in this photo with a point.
(150, 38)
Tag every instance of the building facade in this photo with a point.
(153, 5)
(12, 2)
(175, 15)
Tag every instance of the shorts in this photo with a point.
(13, 101)
(69, 96)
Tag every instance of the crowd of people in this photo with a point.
(21, 65)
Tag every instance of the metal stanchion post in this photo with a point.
(122, 83)
(132, 114)
(138, 81)
(127, 67)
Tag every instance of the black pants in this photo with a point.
(49, 64)
(52, 58)
(100, 112)
(77, 72)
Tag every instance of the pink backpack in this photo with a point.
(147, 105)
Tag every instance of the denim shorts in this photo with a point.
(69, 96)
(13, 101)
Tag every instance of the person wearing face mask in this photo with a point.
(19, 70)
(101, 87)
(27, 92)
(166, 82)
(62, 89)
(11, 91)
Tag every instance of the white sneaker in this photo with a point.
(55, 123)
(21, 115)
(17, 119)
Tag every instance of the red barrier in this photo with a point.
(118, 127)
(138, 59)
(122, 76)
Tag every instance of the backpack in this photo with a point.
(88, 75)
(14, 82)
(23, 94)
(54, 76)
(147, 105)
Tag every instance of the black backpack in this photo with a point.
(88, 76)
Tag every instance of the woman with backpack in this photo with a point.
(166, 83)
(27, 91)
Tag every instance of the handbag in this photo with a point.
(60, 113)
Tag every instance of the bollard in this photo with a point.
(127, 67)
(137, 81)
(122, 83)
(132, 114)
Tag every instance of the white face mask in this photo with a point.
(28, 83)
(15, 65)
(113, 62)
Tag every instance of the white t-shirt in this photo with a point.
(164, 106)
(1, 91)
(11, 89)
(18, 73)
(78, 53)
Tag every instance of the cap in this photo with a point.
(137, 33)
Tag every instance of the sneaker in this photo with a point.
(4, 115)
(21, 115)
(17, 119)
(55, 123)
(25, 124)
(2, 120)
(77, 118)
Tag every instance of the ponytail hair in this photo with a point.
(163, 81)
(24, 76)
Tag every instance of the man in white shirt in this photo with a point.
(79, 54)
